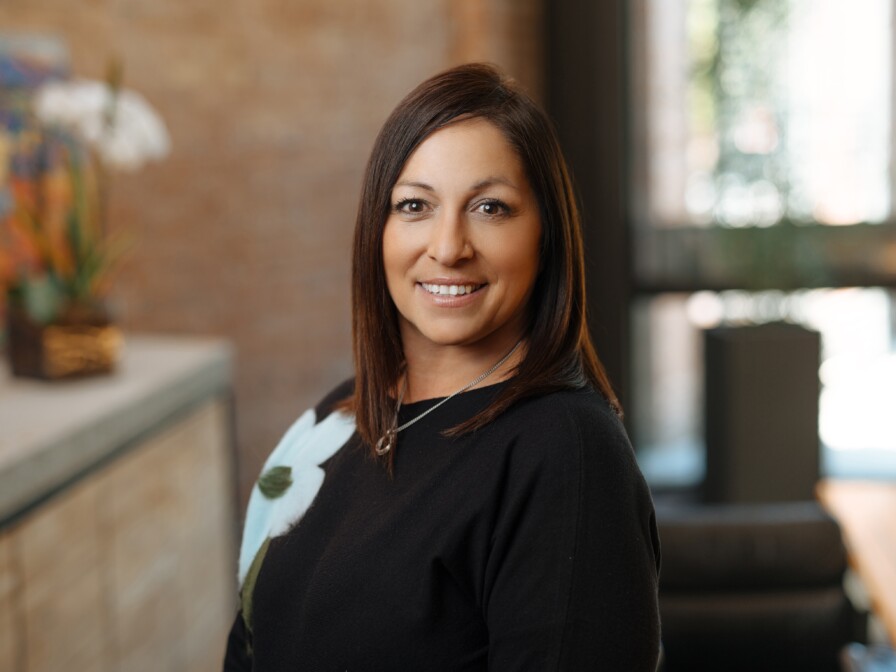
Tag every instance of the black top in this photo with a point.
(530, 544)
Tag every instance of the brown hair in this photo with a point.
(560, 354)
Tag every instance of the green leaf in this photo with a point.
(42, 298)
(275, 481)
(249, 588)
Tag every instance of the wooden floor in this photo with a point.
(866, 510)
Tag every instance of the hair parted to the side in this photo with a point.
(559, 353)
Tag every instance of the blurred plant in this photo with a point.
(56, 254)
(57, 258)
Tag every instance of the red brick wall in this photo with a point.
(272, 106)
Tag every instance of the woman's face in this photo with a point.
(461, 243)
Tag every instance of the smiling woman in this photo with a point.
(461, 254)
(469, 501)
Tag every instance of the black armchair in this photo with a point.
(753, 587)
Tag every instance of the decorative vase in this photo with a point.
(81, 342)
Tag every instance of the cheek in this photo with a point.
(525, 263)
(398, 258)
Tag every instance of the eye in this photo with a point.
(411, 206)
(493, 208)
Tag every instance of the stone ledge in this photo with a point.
(52, 433)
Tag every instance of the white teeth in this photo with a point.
(449, 290)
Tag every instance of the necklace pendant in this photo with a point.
(387, 441)
(384, 445)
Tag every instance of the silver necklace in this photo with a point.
(387, 441)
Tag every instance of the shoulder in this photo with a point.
(571, 442)
(333, 398)
(313, 421)
(292, 474)
(575, 439)
(572, 426)
(581, 406)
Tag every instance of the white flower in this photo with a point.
(303, 448)
(135, 136)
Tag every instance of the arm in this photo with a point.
(572, 575)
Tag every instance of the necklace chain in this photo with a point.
(387, 441)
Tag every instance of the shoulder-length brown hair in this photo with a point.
(559, 352)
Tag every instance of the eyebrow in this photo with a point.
(420, 185)
(496, 179)
(481, 184)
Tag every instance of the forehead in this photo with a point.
(469, 149)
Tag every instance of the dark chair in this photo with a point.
(753, 587)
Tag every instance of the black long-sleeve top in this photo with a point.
(530, 544)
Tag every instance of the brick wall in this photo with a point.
(244, 231)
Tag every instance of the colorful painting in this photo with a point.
(30, 162)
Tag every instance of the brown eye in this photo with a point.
(493, 208)
(410, 206)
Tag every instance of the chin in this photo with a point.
(447, 338)
(451, 340)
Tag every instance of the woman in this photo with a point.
(476, 503)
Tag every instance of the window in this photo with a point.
(762, 190)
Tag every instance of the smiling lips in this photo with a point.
(440, 289)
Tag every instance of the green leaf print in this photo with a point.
(275, 481)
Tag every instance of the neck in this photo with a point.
(440, 371)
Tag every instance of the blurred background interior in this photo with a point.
(734, 162)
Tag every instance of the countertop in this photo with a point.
(51, 433)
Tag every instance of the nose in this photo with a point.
(449, 241)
